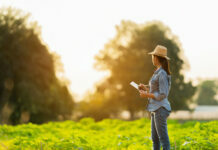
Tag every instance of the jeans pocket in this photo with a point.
(164, 112)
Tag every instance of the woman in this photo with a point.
(157, 93)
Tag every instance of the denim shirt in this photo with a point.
(159, 84)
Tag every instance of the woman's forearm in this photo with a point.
(146, 95)
(150, 95)
(156, 96)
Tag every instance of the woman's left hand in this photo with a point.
(143, 94)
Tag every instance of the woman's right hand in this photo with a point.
(143, 87)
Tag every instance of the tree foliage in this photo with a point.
(125, 56)
(28, 77)
(207, 91)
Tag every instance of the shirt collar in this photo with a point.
(156, 71)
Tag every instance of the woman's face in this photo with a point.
(154, 60)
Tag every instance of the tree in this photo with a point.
(28, 79)
(125, 56)
(207, 90)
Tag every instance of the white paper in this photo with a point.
(134, 85)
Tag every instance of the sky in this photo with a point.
(77, 30)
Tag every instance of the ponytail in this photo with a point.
(164, 63)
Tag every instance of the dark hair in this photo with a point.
(164, 63)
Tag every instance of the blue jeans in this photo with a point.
(159, 131)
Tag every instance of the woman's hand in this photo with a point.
(143, 87)
(143, 94)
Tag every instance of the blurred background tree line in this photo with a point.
(125, 56)
(207, 93)
(28, 82)
(29, 85)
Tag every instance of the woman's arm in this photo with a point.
(163, 89)
(144, 94)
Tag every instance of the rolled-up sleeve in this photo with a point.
(163, 87)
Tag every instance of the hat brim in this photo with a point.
(153, 53)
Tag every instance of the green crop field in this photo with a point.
(111, 134)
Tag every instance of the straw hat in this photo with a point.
(160, 51)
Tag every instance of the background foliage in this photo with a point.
(28, 79)
(125, 57)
